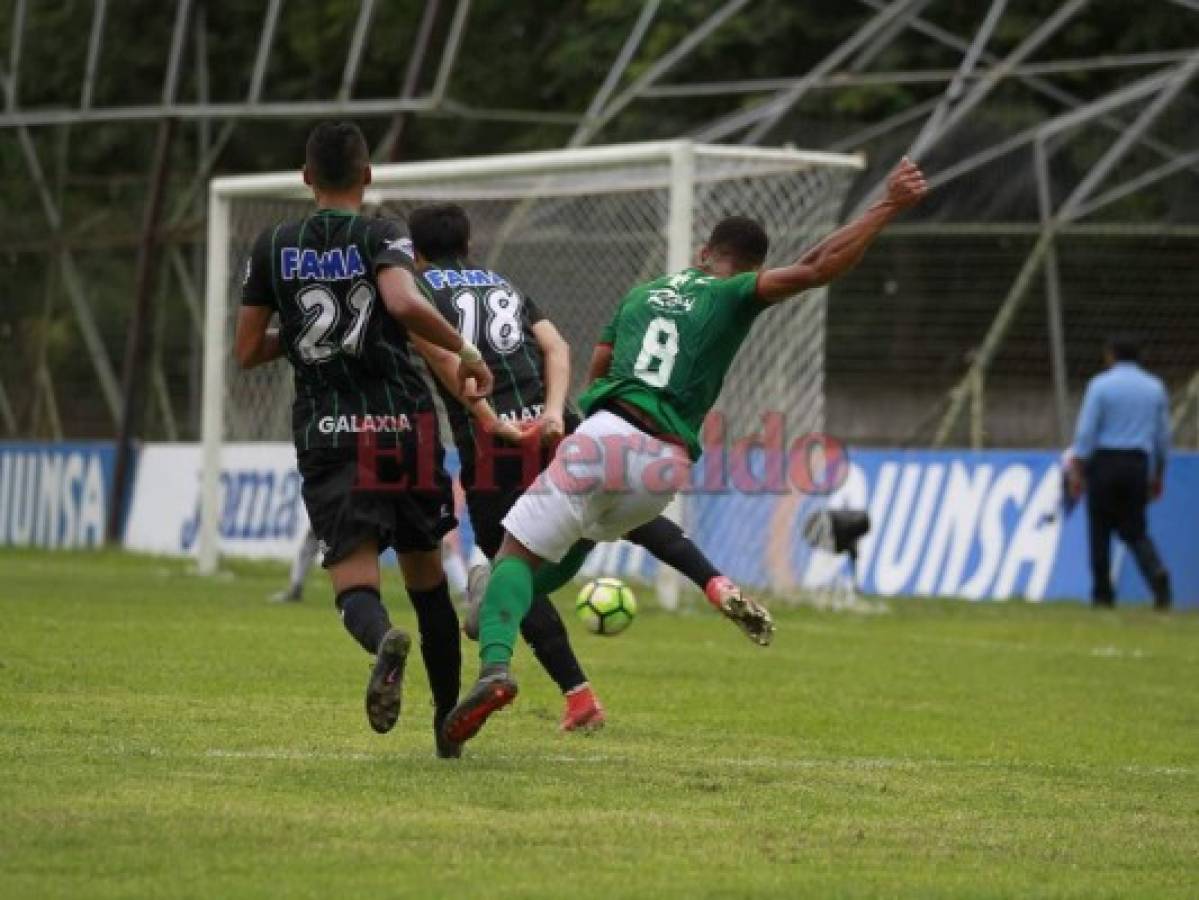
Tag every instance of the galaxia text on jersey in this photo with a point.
(364, 424)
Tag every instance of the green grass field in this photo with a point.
(166, 735)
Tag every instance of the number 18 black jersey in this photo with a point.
(353, 370)
(491, 313)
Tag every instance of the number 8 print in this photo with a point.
(655, 362)
(503, 326)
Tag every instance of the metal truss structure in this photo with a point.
(1146, 86)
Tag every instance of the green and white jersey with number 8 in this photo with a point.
(673, 340)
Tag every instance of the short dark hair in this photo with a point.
(439, 231)
(742, 239)
(336, 155)
(1124, 347)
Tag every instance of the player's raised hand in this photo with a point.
(475, 380)
(906, 185)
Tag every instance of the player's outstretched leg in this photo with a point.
(670, 544)
(667, 542)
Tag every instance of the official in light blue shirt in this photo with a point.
(1120, 447)
(1125, 408)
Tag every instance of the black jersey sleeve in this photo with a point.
(389, 246)
(533, 311)
(257, 283)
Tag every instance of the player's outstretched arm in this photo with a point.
(841, 250)
(556, 352)
(404, 301)
(253, 342)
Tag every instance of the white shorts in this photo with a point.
(605, 480)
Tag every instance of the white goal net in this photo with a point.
(575, 230)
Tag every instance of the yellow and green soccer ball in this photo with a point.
(606, 606)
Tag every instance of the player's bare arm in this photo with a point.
(601, 361)
(255, 343)
(556, 352)
(444, 366)
(838, 253)
(404, 301)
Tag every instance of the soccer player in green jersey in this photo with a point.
(660, 367)
(531, 364)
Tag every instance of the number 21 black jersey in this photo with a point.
(353, 370)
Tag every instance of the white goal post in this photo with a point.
(575, 229)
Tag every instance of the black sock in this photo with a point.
(440, 643)
(546, 635)
(364, 616)
(667, 542)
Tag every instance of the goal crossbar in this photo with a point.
(536, 162)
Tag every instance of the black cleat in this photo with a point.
(385, 688)
(494, 690)
(446, 749)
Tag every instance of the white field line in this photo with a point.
(832, 763)
(853, 763)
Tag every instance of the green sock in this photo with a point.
(551, 576)
(508, 598)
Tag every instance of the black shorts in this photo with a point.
(396, 501)
(492, 487)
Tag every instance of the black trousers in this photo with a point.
(1117, 494)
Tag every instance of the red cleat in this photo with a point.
(583, 710)
(494, 690)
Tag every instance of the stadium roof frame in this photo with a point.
(892, 18)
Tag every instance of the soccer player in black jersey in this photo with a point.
(505, 443)
(343, 289)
